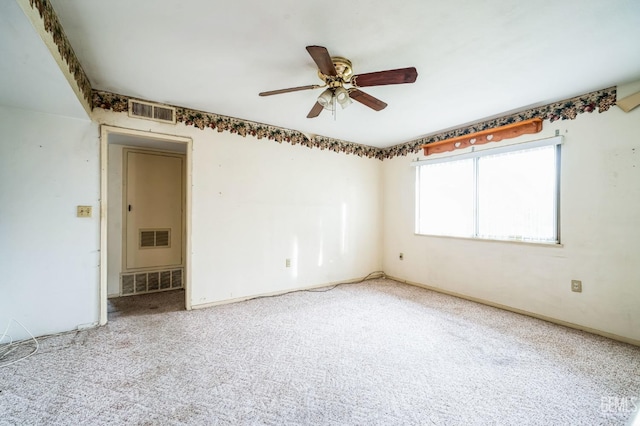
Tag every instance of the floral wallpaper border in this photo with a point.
(222, 123)
(568, 109)
(52, 25)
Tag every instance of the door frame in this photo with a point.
(105, 132)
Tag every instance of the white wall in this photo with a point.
(600, 232)
(256, 203)
(49, 257)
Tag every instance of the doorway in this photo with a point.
(145, 214)
(153, 221)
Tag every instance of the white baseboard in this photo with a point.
(612, 336)
(87, 326)
(281, 292)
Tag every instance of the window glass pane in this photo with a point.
(446, 199)
(517, 195)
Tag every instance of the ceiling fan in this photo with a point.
(336, 72)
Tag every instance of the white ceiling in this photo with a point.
(475, 59)
(29, 76)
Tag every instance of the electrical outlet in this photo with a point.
(287, 263)
(576, 285)
(401, 257)
(83, 211)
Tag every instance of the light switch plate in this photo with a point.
(576, 285)
(84, 211)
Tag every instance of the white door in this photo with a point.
(154, 205)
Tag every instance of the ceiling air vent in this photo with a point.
(150, 111)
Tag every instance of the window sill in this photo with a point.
(489, 240)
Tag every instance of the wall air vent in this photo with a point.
(150, 238)
(150, 111)
(150, 281)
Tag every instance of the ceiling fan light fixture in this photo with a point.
(326, 99)
(342, 96)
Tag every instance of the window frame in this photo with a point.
(474, 154)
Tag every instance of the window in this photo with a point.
(507, 193)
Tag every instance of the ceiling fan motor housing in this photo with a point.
(344, 71)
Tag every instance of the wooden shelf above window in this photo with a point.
(490, 135)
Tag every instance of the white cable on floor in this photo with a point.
(379, 274)
(11, 346)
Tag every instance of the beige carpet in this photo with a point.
(375, 353)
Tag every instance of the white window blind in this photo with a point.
(446, 199)
(506, 193)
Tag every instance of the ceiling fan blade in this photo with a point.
(368, 100)
(315, 111)
(291, 89)
(380, 78)
(322, 58)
